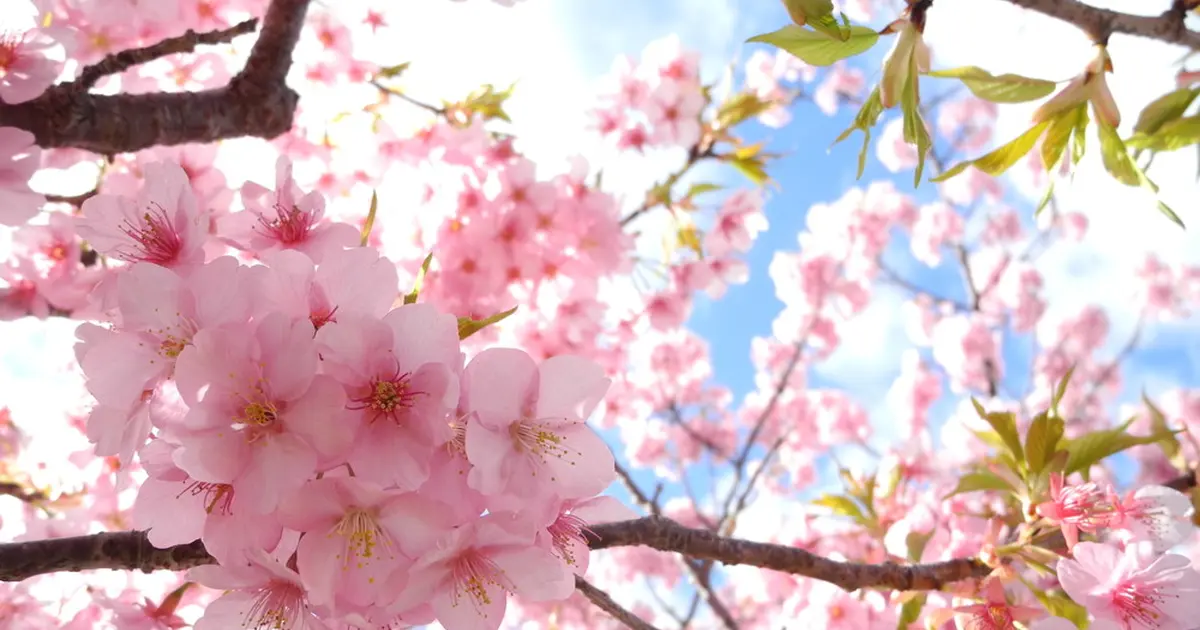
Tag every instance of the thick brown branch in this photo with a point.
(1099, 23)
(608, 605)
(117, 63)
(117, 550)
(667, 535)
(257, 102)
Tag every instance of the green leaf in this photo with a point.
(1045, 200)
(1079, 145)
(1060, 390)
(370, 222)
(842, 506)
(690, 237)
(411, 297)
(867, 116)
(915, 542)
(391, 72)
(1116, 158)
(739, 108)
(1121, 166)
(468, 326)
(910, 612)
(1001, 159)
(977, 481)
(1041, 440)
(818, 49)
(489, 103)
(1168, 107)
(829, 25)
(991, 438)
(1058, 134)
(1171, 136)
(1005, 88)
(1158, 425)
(1004, 423)
(804, 11)
(1090, 448)
(753, 168)
(1059, 605)
(915, 132)
(701, 188)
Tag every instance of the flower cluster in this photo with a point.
(328, 446)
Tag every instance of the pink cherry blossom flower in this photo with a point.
(357, 536)
(260, 417)
(19, 159)
(259, 594)
(565, 535)
(355, 280)
(469, 575)
(286, 218)
(528, 436)
(162, 225)
(1158, 514)
(176, 509)
(400, 378)
(995, 613)
(30, 61)
(1132, 590)
(1082, 507)
(674, 113)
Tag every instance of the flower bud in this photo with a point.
(909, 55)
(1091, 86)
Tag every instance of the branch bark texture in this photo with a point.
(1099, 23)
(256, 102)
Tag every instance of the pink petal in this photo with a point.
(501, 380)
(570, 386)
(423, 335)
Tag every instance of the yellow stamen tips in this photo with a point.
(171, 346)
(260, 414)
(388, 395)
(473, 575)
(457, 445)
(539, 443)
(365, 539)
(277, 606)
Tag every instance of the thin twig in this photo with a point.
(117, 63)
(606, 603)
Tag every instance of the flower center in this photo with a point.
(290, 226)
(473, 574)
(276, 606)
(538, 442)
(259, 420)
(9, 41)
(388, 397)
(565, 530)
(362, 535)
(157, 239)
(1137, 604)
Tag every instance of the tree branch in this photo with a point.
(608, 605)
(666, 535)
(256, 102)
(1099, 23)
(110, 550)
(120, 62)
(131, 550)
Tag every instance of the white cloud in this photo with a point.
(873, 342)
